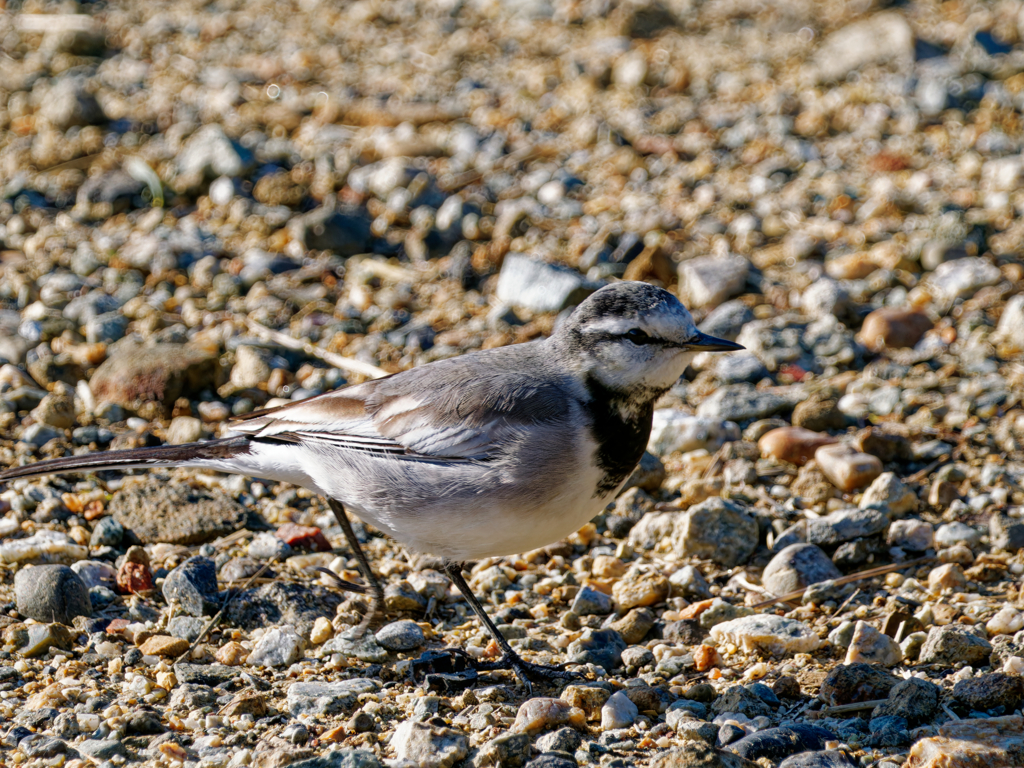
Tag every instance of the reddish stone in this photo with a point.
(117, 626)
(134, 577)
(304, 537)
(893, 328)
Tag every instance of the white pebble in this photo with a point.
(1006, 622)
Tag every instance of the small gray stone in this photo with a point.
(798, 566)
(951, 534)
(107, 533)
(266, 545)
(193, 585)
(400, 636)
(591, 602)
(51, 593)
(688, 581)
(727, 320)
(602, 647)
(101, 749)
(327, 698)
(186, 627)
(741, 402)
(277, 647)
(845, 525)
(708, 281)
(189, 696)
(429, 746)
(39, 435)
(538, 286)
(952, 643)
(365, 648)
(717, 529)
(563, 740)
(344, 230)
(107, 328)
(340, 758)
(1006, 533)
(913, 699)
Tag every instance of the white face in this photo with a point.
(621, 363)
(635, 339)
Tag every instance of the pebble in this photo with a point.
(767, 633)
(914, 700)
(94, 573)
(590, 602)
(540, 287)
(795, 445)
(893, 328)
(674, 430)
(175, 513)
(618, 712)
(947, 576)
(708, 281)
(1007, 621)
(951, 534)
(164, 645)
(779, 743)
(193, 586)
(990, 691)
(51, 593)
(538, 714)
(869, 646)
(327, 698)
(277, 647)
(400, 636)
(846, 468)
(852, 683)
(716, 529)
(910, 535)
(952, 643)
(798, 566)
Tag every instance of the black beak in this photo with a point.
(704, 343)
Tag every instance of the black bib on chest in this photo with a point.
(621, 427)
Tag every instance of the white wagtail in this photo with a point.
(490, 454)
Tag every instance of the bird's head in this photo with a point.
(633, 337)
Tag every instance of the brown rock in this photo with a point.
(995, 742)
(819, 414)
(942, 494)
(164, 645)
(846, 468)
(134, 577)
(590, 700)
(886, 444)
(947, 576)
(705, 657)
(176, 513)
(231, 654)
(303, 537)
(648, 589)
(851, 266)
(634, 626)
(893, 328)
(793, 444)
(161, 373)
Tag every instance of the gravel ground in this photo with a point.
(207, 208)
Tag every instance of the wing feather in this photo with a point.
(460, 409)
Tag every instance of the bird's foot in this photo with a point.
(453, 669)
(528, 672)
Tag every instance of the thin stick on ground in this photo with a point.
(870, 573)
(331, 358)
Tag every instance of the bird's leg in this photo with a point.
(524, 670)
(377, 600)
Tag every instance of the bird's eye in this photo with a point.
(637, 336)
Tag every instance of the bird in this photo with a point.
(489, 454)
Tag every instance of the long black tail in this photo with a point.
(135, 458)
